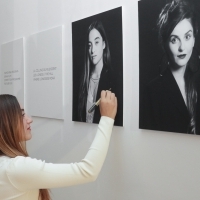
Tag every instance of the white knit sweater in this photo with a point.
(22, 177)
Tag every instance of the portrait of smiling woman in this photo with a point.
(170, 101)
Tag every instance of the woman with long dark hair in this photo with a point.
(171, 98)
(97, 73)
(24, 178)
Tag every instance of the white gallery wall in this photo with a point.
(141, 164)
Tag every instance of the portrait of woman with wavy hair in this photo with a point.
(170, 100)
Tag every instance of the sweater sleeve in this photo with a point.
(26, 173)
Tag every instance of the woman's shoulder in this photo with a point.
(20, 162)
(3, 157)
(4, 160)
(16, 167)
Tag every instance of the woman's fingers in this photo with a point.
(108, 104)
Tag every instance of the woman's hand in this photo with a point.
(108, 104)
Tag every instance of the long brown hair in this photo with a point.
(89, 67)
(12, 132)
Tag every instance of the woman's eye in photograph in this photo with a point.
(174, 40)
(188, 37)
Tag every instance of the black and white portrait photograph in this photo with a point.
(97, 64)
(169, 65)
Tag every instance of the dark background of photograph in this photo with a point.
(112, 22)
(150, 51)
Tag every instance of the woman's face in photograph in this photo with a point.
(96, 46)
(181, 42)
